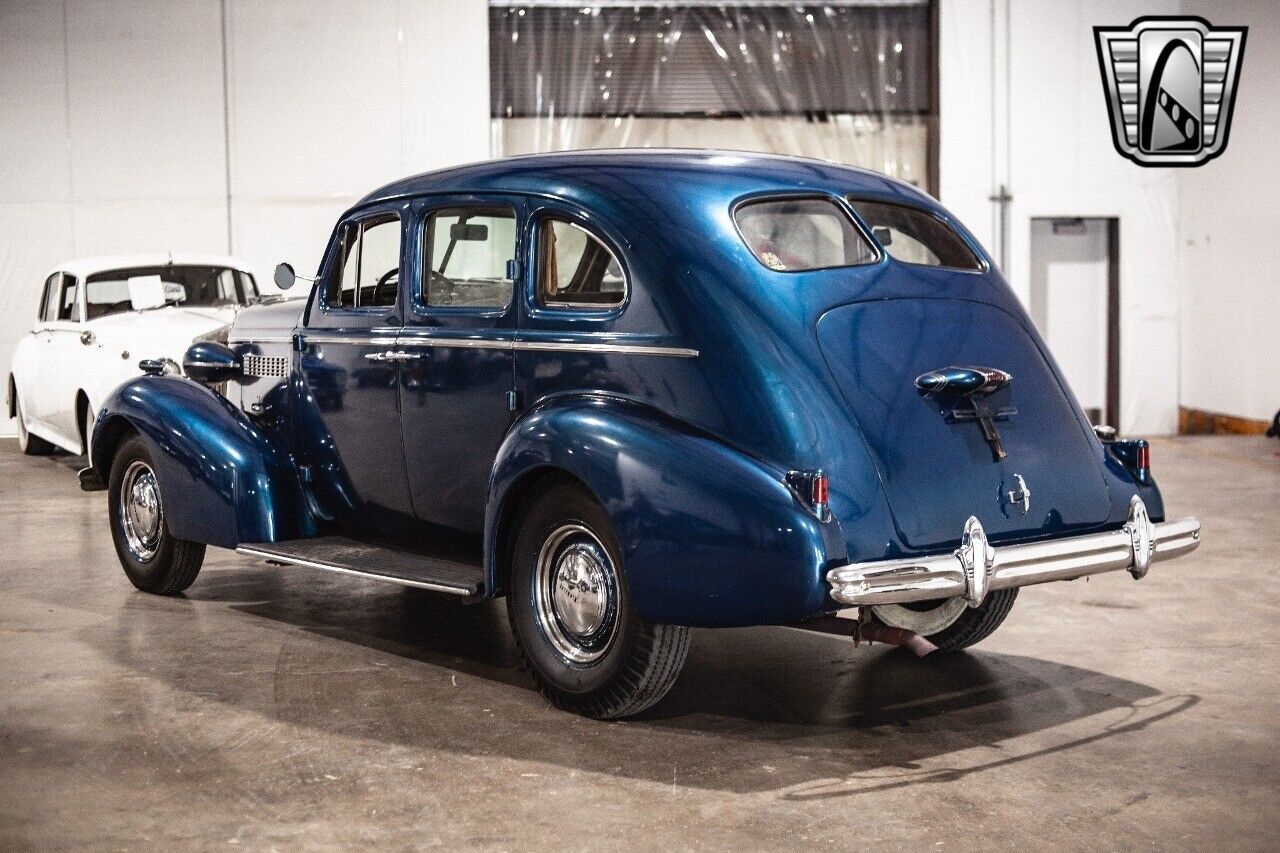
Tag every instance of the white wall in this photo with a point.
(1229, 224)
(114, 131)
(112, 124)
(1037, 122)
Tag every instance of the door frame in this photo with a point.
(1110, 413)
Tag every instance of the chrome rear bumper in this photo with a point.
(977, 567)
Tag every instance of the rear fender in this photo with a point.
(709, 536)
(224, 479)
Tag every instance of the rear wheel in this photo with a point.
(586, 647)
(31, 445)
(153, 558)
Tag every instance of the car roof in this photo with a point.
(81, 267)
(655, 172)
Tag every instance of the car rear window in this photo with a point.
(915, 237)
(796, 234)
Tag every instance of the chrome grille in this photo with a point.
(265, 365)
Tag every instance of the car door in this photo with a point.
(63, 354)
(32, 374)
(456, 391)
(348, 405)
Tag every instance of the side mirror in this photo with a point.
(209, 362)
(285, 276)
(884, 235)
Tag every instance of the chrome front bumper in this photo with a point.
(977, 566)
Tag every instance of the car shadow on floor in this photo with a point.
(807, 715)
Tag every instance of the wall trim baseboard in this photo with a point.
(1200, 422)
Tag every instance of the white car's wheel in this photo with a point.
(86, 428)
(31, 445)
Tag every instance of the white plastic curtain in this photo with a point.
(849, 82)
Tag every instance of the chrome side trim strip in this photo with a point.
(442, 342)
(355, 340)
(463, 343)
(620, 349)
(262, 340)
(343, 570)
(545, 346)
(978, 567)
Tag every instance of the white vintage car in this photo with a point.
(98, 318)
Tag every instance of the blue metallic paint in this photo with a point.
(709, 536)
(223, 479)
(687, 455)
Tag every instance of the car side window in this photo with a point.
(915, 236)
(468, 250)
(800, 234)
(70, 289)
(576, 269)
(369, 276)
(49, 301)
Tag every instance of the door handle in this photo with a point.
(87, 337)
(393, 355)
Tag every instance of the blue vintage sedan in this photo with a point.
(636, 392)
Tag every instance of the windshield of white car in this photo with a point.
(187, 285)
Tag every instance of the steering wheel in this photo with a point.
(388, 277)
(439, 278)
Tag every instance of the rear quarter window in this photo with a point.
(915, 237)
(797, 234)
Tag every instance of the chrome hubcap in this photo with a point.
(576, 594)
(140, 511)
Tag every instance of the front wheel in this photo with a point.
(586, 647)
(153, 558)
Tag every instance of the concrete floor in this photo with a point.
(276, 707)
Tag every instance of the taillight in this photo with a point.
(812, 488)
(1135, 455)
(818, 491)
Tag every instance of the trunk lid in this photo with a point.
(937, 471)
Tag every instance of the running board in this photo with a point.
(349, 557)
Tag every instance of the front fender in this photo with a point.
(709, 536)
(224, 480)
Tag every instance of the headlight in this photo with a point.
(220, 335)
(160, 367)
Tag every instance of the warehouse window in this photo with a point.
(851, 82)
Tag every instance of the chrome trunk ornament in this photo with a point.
(972, 385)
